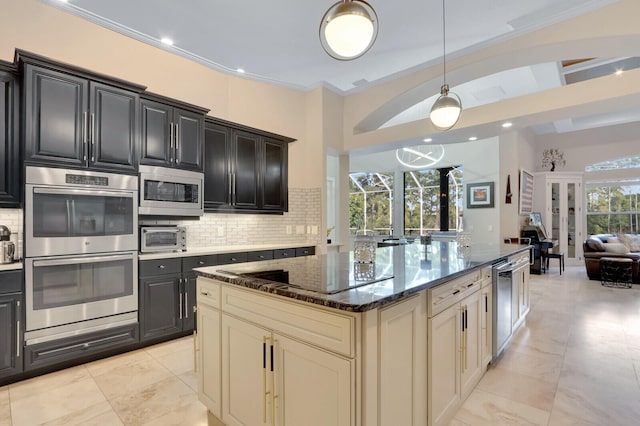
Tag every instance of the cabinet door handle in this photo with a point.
(204, 293)
(161, 266)
(200, 262)
(264, 379)
(233, 259)
(486, 304)
(274, 386)
(92, 135)
(177, 142)
(181, 300)
(171, 142)
(186, 300)
(18, 343)
(233, 186)
(84, 136)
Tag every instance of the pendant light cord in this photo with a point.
(444, 46)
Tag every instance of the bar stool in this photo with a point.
(554, 255)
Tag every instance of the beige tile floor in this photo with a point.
(575, 362)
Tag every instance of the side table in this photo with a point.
(615, 272)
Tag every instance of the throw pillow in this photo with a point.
(616, 248)
(632, 241)
(613, 240)
(595, 244)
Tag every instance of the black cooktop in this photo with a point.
(327, 274)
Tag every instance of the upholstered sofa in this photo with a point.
(610, 245)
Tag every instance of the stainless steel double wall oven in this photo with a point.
(81, 252)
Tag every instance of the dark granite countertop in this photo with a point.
(399, 271)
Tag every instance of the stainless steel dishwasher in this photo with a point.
(503, 276)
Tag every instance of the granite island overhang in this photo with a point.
(335, 280)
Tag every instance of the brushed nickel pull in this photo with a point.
(161, 266)
(171, 142)
(84, 136)
(18, 343)
(181, 297)
(176, 142)
(92, 136)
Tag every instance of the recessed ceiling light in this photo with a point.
(240, 70)
(427, 140)
(618, 72)
(473, 138)
(507, 124)
(167, 41)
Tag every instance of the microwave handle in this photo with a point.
(125, 194)
(92, 259)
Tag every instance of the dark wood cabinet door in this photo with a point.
(155, 142)
(10, 334)
(245, 165)
(11, 172)
(274, 176)
(189, 289)
(160, 306)
(113, 127)
(189, 140)
(217, 182)
(55, 117)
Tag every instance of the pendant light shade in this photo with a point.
(446, 110)
(348, 29)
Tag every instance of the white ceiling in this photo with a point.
(277, 41)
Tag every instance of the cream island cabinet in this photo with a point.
(405, 348)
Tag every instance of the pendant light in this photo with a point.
(348, 29)
(446, 110)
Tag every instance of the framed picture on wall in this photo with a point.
(479, 195)
(526, 193)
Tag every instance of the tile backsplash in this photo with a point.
(13, 219)
(299, 226)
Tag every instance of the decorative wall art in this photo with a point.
(479, 195)
(551, 158)
(526, 193)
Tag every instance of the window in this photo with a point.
(612, 208)
(371, 203)
(424, 209)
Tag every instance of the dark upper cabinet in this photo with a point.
(171, 136)
(113, 127)
(78, 119)
(274, 176)
(56, 107)
(217, 178)
(245, 169)
(11, 172)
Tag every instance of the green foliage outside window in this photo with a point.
(612, 209)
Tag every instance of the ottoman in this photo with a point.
(615, 272)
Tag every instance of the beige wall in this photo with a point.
(37, 27)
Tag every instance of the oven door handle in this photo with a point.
(69, 191)
(77, 260)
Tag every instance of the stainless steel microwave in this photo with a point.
(162, 238)
(170, 192)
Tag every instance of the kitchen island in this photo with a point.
(322, 340)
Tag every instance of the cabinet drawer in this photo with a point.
(284, 253)
(441, 297)
(11, 281)
(226, 258)
(329, 330)
(72, 348)
(254, 256)
(209, 292)
(305, 251)
(188, 263)
(150, 268)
